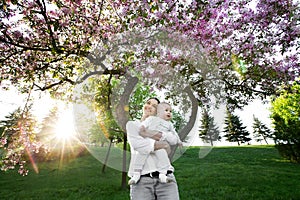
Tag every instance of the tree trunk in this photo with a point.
(107, 155)
(124, 173)
(121, 110)
(265, 140)
(121, 115)
(186, 130)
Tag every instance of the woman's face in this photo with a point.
(149, 108)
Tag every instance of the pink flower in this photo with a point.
(17, 34)
(3, 141)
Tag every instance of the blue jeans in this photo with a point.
(151, 189)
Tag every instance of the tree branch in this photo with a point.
(105, 72)
(43, 13)
(10, 41)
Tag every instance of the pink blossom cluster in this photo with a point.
(45, 42)
(12, 160)
(39, 41)
(18, 146)
(3, 141)
(256, 31)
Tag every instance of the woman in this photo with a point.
(149, 187)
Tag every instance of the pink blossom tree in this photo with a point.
(241, 49)
(43, 42)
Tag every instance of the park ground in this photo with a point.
(235, 173)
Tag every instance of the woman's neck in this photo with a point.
(144, 117)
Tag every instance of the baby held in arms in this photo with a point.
(162, 123)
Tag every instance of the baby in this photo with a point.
(152, 124)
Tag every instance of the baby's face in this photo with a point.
(164, 111)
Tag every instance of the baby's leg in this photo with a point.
(137, 168)
(162, 162)
(163, 165)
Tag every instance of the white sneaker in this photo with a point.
(169, 179)
(134, 179)
(162, 178)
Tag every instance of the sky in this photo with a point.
(10, 100)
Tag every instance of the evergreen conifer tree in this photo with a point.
(209, 131)
(260, 131)
(234, 129)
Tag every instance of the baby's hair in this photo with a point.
(155, 98)
(164, 103)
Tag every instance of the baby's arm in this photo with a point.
(146, 132)
(152, 134)
(172, 136)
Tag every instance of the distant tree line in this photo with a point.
(234, 130)
(285, 115)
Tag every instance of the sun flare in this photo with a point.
(65, 127)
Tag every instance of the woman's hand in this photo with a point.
(162, 145)
(155, 135)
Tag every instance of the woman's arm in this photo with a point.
(145, 132)
(137, 142)
(150, 130)
(140, 144)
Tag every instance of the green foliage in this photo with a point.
(238, 65)
(2, 130)
(234, 129)
(137, 100)
(178, 121)
(260, 131)
(96, 135)
(48, 125)
(97, 96)
(286, 120)
(209, 132)
(47, 136)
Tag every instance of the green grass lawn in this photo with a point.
(248, 172)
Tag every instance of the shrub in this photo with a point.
(286, 121)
